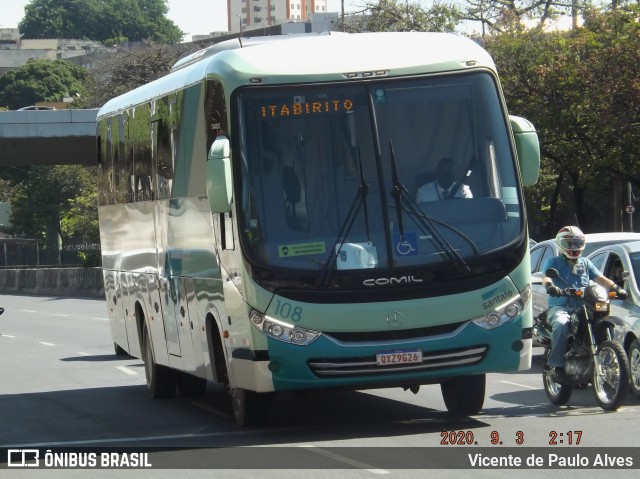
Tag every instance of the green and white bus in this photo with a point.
(260, 227)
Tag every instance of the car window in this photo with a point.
(536, 254)
(597, 261)
(548, 253)
(635, 265)
(591, 247)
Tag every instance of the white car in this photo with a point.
(543, 250)
(621, 263)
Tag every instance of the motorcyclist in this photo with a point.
(574, 271)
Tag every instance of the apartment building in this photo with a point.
(247, 14)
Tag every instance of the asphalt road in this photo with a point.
(63, 387)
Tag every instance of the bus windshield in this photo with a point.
(414, 172)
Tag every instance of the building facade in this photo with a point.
(16, 52)
(247, 14)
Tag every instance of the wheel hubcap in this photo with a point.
(634, 367)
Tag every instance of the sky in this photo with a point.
(194, 17)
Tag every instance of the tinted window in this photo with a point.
(536, 254)
(598, 260)
(548, 253)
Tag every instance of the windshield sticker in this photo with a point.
(407, 246)
(301, 249)
(305, 108)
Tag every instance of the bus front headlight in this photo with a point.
(506, 312)
(282, 331)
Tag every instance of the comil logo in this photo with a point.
(23, 458)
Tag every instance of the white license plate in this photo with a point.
(406, 356)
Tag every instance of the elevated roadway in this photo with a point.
(48, 137)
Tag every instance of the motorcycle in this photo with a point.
(592, 356)
(1, 310)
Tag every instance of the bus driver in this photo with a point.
(444, 186)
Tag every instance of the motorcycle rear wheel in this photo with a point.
(611, 377)
(558, 394)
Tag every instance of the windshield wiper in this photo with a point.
(414, 209)
(358, 202)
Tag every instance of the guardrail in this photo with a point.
(77, 282)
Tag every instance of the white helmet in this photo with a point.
(571, 241)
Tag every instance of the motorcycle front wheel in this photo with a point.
(558, 394)
(610, 375)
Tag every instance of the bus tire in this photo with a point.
(464, 395)
(161, 381)
(191, 386)
(250, 408)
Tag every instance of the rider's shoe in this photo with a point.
(559, 374)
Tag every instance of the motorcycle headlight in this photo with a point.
(602, 307)
(505, 312)
(282, 331)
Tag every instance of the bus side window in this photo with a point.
(164, 160)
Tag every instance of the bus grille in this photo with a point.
(394, 334)
(436, 360)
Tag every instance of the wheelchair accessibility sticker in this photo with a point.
(405, 246)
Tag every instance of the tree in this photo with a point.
(101, 20)
(125, 71)
(401, 16)
(45, 196)
(580, 89)
(41, 80)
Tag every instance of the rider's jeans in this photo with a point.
(561, 326)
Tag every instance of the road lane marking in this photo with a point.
(127, 370)
(520, 385)
(101, 319)
(61, 315)
(212, 410)
(45, 343)
(345, 460)
(7, 335)
(82, 353)
(28, 311)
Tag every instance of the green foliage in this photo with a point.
(80, 219)
(41, 80)
(49, 196)
(100, 20)
(125, 71)
(580, 89)
(401, 16)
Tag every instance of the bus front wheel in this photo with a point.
(250, 408)
(464, 395)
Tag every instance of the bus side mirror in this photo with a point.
(527, 149)
(219, 186)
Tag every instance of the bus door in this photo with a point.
(169, 287)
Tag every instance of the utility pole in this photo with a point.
(630, 209)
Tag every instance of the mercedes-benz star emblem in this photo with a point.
(394, 320)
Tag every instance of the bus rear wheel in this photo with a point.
(464, 395)
(161, 381)
(250, 408)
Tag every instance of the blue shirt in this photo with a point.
(571, 280)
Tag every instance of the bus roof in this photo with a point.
(315, 58)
